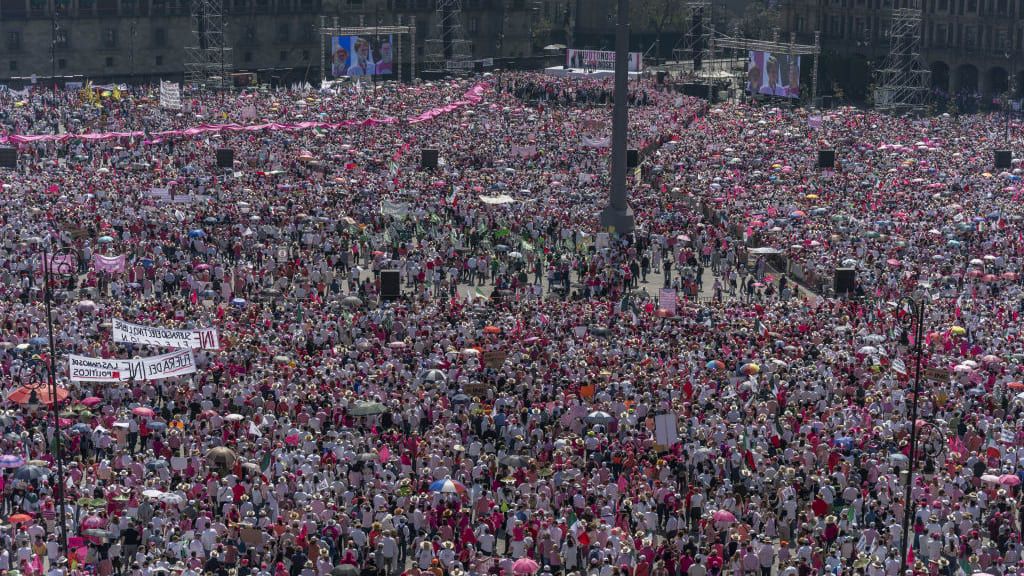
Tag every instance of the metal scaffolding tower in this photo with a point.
(699, 32)
(903, 79)
(208, 62)
(448, 48)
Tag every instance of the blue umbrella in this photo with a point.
(158, 426)
(240, 302)
(105, 240)
(210, 220)
(147, 262)
(11, 461)
(37, 341)
(80, 428)
(448, 486)
(197, 233)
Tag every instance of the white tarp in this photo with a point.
(85, 369)
(195, 338)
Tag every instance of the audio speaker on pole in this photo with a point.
(390, 285)
(844, 281)
(661, 76)
(428, 158)
(826, 102)
(225, 158)
(8, 157)
(632, 158)
(826, 158)
(1003, 158)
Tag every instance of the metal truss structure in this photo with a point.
(208, 61)
(448, 48)
(903, 80)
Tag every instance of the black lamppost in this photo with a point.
(60, 266)
(915, 304)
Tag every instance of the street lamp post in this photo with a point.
(916, 305)
(63, 269)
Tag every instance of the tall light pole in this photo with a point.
(617, 217)
(65, 269)
(916, 304)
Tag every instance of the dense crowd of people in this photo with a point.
(542, 397)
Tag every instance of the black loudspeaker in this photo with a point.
(632, 158)
(826, 102)
(225, 158)
(661, 76)
(428, 158)
(1004, 159)
(844, 280)
(8, 157)
(826, 158)
(390, 285)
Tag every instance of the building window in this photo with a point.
(250, 33)
(800, 23)
(14, 40)
(110, 38)
(283, 29)
(12, 65)
(160, 36)
(159, 60)
(109, 63)
(247, 57)
(305, 54)
(474, 24)
(61, 39)
(62, 63)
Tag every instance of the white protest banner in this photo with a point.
(397, 210)
(496, 200)
(667, 299)
(170, 95)
(195, 338)
(85, 369)
(109, 264)
(666, 429)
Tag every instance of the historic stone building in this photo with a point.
(144, 40)
(972, 47)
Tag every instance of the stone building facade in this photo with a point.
(144, 40)
(972, 47)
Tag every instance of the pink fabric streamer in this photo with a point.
(471, 98)
(474, 96)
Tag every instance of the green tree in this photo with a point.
(659, 17)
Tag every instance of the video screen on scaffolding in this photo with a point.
(773, 74)
(355, 56)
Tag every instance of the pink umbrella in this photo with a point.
(143, 411)
(723, 516)
(91, 401)
(1009, 480)
(525, 566)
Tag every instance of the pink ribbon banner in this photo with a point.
(472, 97)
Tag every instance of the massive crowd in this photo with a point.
(536, 401)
